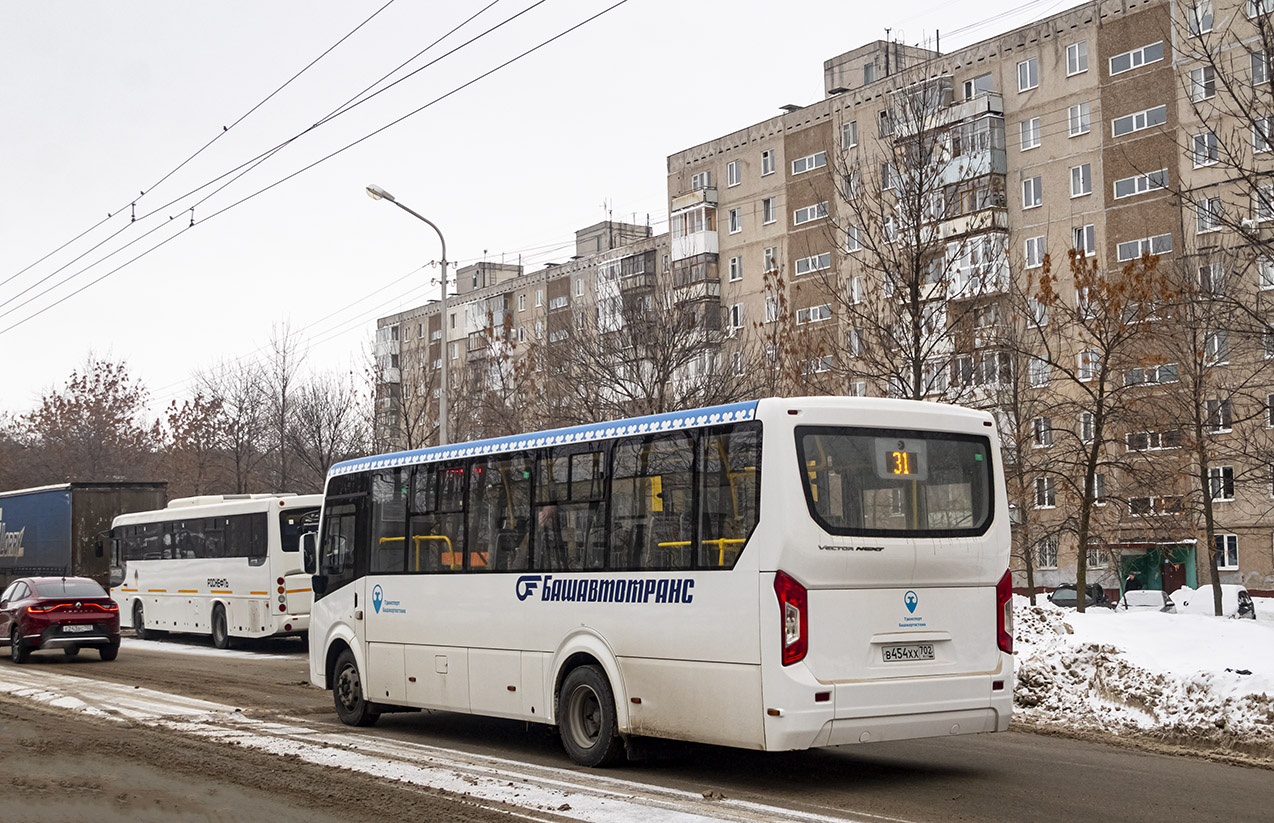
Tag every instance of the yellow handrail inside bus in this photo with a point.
(722, 542)
(451, 561)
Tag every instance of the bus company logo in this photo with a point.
(911, 600)
(598, 590)
(384, 605)
(378, 597)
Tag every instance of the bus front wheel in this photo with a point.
(139, 623)
(586, 717)
(347, 692)
(220, 631)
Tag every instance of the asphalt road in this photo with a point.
(232, 775)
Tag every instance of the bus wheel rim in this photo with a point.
(349, 688)
(586, 717)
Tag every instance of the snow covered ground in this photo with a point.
(1179, 677)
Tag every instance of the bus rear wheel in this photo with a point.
(347, 692)
(586, 717)
(220, 631)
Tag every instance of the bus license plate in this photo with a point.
(81, 628)
(911, 651)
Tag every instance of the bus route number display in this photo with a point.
(900, 459)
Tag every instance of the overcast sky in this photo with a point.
(101, 101)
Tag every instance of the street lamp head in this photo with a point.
(375, 192)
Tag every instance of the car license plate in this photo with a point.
(80, 628)
(910, 651)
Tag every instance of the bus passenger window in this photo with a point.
(652, 500)
(389, 520)
(500, 513)
(435, 534)
(731, 493)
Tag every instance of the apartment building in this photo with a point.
(1081, 131)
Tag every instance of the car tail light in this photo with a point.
(44, 609)
(794, 618)
(1004, 613)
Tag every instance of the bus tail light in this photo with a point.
(794, 616)
(1004, 613)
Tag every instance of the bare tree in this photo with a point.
(328, 425)
(920, 221)
(286, 355)
(193, 459)
(240, 393)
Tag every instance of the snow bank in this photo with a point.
(1174, 676)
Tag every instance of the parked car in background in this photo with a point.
(1235, 601)
(67, 613)
(1065, 596)
(1147, 600)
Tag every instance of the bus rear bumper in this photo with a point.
(897, 710)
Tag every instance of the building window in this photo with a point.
(853, 240)
(1028, 74)
(539, 302)
(1039, 372)
(1204, 152)
(869, 73)
(809, 214)
(732, 176)
(1227, 552)
(813, 314)
(1081, 180)
(1216, 348)
(1046, 553)
(767, 163)
(858, 388)
(1141, 183)
(1045, 494)
(1077, 58)
(817, 262)
(1136, 58)
(738, 363)
(1042, 432)
(1265, 273)
(1138, 121)
(769, 210)
(849, 134)
(1034, 252)
(579, 287)
(1084, 239)
(1199, 17)
(770, 259)
(1032, 192)
(1202, 83)
(1207, 214)
(1151, 375)
(1087, 427)
(1260, 68)
(854, 290)
(1079, 119)
(1134, 249)
(1030, 133)
(736, 316)
(701, 180)
(1261, 134)
(1221, 482)
(521, 302)
(736, 269)
(735, 221)
(1089, 363)
(814, 161)
(1263, 203)
(1255, 7)
(771, 309)
(1098, 490)
(1220, 415)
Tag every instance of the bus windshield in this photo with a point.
(295, 522)
(893, 482)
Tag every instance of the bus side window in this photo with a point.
(436, 526)
(570, 525)
(731, 493)
(343, 542)
(500, 513)
(652, 501)
(390, 488)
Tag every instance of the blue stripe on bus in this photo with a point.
(696, 418)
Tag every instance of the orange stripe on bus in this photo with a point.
(128, 590)
(258, 592)
(221, 591)
(294, 591)
(157, 590)
(187, 591)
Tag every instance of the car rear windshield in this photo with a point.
(896, 482)
(69, 588)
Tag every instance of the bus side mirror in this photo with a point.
(308, 558)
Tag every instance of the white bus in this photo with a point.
(776, 575)
(225, 565)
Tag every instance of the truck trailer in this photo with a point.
(60, 530)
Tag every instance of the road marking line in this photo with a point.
(493, 781)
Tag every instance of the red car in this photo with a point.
(66, 613)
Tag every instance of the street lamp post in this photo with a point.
(377, 193)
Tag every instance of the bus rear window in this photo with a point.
(894, 482)
(295, 522)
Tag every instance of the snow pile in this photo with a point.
(1171, 676)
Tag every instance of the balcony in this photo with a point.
(702, 290)
(637, 282)
(693, 224)
(988, 219)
